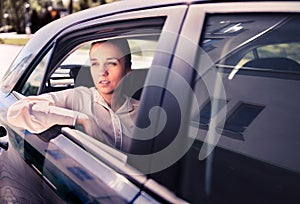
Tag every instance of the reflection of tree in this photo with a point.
(71, 7)
(288, 50)
(1, 13)
(84, 4)
(35, 21)
(38, 13)
(17, 11)
(102, 2)
(45, 17)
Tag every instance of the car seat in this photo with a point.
(274, 63)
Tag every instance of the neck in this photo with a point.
(107, 98)
(114, 101)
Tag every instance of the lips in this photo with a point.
(104, 82)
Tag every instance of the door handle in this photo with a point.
(3, 138)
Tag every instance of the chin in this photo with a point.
(105, 91)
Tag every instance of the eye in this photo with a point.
(111, 63)
(95, 64)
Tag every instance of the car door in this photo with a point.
(239, 68)
(21, 180)
(65, 162)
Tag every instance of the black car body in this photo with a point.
(219, 119)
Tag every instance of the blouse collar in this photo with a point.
(126, 107)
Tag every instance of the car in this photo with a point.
(219, 115)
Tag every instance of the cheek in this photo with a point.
(118, 76)
(94, 76)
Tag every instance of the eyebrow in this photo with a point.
(109, 58)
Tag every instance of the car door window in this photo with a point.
(34, 81)
(246, 145)
(74, 71)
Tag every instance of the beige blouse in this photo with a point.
(38, 113)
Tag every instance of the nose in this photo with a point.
(103, 71)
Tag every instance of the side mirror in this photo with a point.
(3, 138)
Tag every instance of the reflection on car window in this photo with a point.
(241, 118)
(282, 50)
(34, 81)
(225, 33)
(257, 67)
(241, 54)
(15, 71)
(254, 37)
(206, 113)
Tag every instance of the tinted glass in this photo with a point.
(35, 79)
(255, 144)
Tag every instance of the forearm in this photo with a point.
(38, 115)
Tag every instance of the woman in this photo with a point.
(98, 110)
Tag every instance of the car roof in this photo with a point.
(114, 8)
(51, 30)
(40, 39)
(54, 28)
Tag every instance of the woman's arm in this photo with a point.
(38, 113)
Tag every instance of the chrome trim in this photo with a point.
(74, 156)
(106, 154)
(163, 192)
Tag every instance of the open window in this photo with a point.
(74, 70)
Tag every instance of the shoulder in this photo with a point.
(67, 93)
(82, 98)
(84, 91)
(134, 102)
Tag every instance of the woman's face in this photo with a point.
(107, 67)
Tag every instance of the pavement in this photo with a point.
(14, 35)
(9, 52)
(7, 55)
